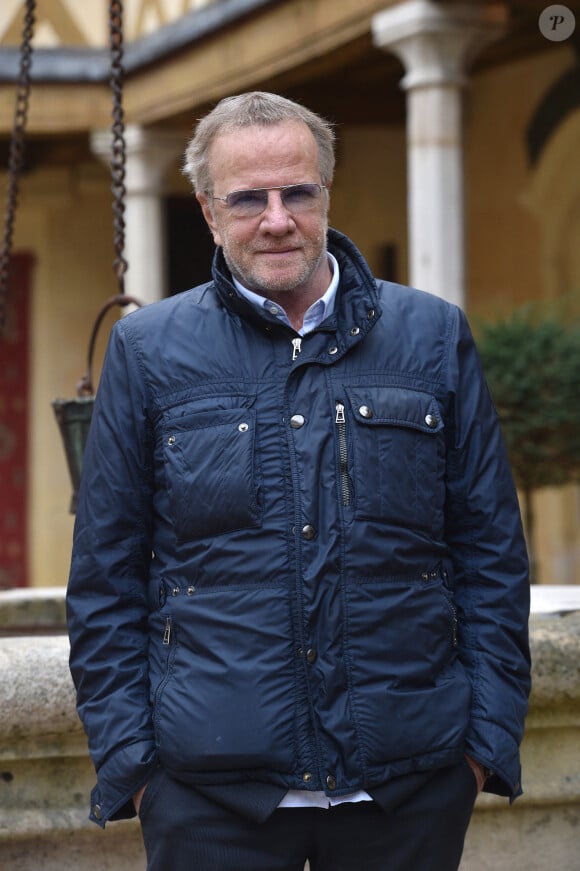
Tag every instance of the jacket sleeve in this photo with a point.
(484, 533)
(107, 605)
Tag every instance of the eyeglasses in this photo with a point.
(296, 198)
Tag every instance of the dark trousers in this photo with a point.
(184, 830)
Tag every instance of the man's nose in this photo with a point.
(276, 217)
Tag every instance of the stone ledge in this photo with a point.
(555, 647)
(38, 610)
(37, 699)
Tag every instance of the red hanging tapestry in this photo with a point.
(14, 425)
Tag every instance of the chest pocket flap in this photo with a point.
(399, 456)
(397, 406)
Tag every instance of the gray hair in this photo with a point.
(244, 110)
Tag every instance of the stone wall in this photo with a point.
(46, 776)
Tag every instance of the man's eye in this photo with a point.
(300, 194)
(247, 199)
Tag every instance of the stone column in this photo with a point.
(436, 42)
(148, 156)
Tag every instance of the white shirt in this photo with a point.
(314, 316)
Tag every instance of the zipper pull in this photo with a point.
(340, 418)
(296, 347)
(167, 632)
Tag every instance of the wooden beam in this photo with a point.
(59, 108)
(275, 40)
(279, 38)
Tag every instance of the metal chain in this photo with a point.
(16, 154)
(118, 156)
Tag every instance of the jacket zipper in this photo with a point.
(345, 487)
(454, 617)
(167, 632)
(296, 347)
(454, 622)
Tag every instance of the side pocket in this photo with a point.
(168, 643)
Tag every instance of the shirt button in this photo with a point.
(296, 421)
(310, 655)
(97, 812)
(306, 777)
(308, 532)
(331, 781)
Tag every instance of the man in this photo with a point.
(298, 597)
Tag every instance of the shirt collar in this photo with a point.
(314, 315)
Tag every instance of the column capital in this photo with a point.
(149, 154)
(437, 41)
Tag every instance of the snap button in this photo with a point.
(244, 427)
(296, 421)
(171, 441)
(308, 532)
(371, 314)
(97, 812)
(354, 331)
(431, 420)
(333, 350)
(331, 781)
(310, 655)
(365, 411)
(306, 777)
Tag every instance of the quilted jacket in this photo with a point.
(297, 562)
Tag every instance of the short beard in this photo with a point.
(263, 288)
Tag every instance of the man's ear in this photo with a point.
(207, 211)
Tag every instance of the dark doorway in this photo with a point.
(190, 246)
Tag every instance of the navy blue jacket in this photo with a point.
(301, 569)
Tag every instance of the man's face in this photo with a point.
(276, 251)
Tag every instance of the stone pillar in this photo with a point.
(148, 156)
(436, 42)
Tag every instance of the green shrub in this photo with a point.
(533, 370)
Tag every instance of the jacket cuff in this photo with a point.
(118, 779)
(493, 747)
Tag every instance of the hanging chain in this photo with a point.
(16, 154)
(118, 157)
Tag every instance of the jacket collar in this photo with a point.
(357, 307)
